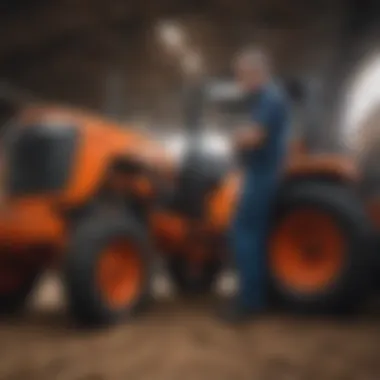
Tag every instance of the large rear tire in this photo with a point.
(107, 273)
(319, 250)
(375, 274)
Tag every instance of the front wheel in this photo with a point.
(108, 270)
(319, 249)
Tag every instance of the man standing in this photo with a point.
(261, 146)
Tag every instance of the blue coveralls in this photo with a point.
(261, 172)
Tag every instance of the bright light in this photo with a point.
(217, 143)
(224, 91)
(213, 142)
(362, 99)
(171, 35)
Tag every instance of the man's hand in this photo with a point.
(249, 137)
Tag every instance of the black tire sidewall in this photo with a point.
(15, 300)
(351, 284)
(84, 252)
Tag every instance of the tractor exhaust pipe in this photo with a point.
(193, 105)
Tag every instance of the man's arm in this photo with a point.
(255, 133)
(251, 136)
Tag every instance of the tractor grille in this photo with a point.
(40, 159)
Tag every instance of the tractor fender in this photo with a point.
(322, 167)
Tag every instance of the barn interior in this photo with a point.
(129, 60)
(111, 56)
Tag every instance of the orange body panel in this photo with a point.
(29, 222)
(322, 163)
(35, 220)
(170, 230)
(222, 202)
(100, 142)
(175, 235)
(173, 232)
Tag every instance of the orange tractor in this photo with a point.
(98, 199)
(76, 190)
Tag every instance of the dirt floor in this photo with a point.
(179, 341)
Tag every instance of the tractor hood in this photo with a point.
(39, 157)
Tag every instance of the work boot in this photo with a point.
(234, 312)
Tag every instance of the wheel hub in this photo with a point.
(312, 252)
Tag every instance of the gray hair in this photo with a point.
(255, 58)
